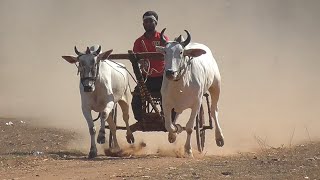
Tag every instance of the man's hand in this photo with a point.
(144, 65)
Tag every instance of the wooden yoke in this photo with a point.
(142, 55)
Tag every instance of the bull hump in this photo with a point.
(194, 45)
(94, 48)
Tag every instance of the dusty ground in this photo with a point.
(29, 152)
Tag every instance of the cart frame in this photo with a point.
(152, 114)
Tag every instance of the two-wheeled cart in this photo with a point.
(152, 113)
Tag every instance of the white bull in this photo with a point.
(103, 84)
(190, 71)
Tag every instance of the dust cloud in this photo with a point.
(267, 52)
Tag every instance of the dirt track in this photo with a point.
(267, 52)
(29, 152)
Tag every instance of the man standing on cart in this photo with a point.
(152, 71)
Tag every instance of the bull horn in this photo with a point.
(77, 52)
(162, 39)
(97, 51)
(179, 39)
(88, 50)
(187, 41)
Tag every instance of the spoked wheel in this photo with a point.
(114, 118)
(200, 132)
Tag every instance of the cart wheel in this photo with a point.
(200, 132)
(114, 118)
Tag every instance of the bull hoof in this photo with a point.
(172, 137)
(110, 152)
(188, 154)
(130, 139)
(219, 138)
(220, 142)
(101, 139)
(92, 154)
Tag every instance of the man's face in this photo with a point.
(149, 25)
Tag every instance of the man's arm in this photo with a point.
(137, 46)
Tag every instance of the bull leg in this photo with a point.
(125, 114)
(101, 139)
(189, 129)
(214, 93)
(170, 127)
(177, 114)
(112, 127)
(93, 148)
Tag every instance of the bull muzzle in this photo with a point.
(88, 88)
(88, 84)
(170, 74)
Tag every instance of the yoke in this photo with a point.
(142, 55)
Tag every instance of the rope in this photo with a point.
(149, 70)
(125, 69)
(144, 93)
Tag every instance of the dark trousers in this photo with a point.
(153, 85)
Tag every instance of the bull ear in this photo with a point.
(194, 52)
(104, 55)
(70, 59)
(160, 49)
